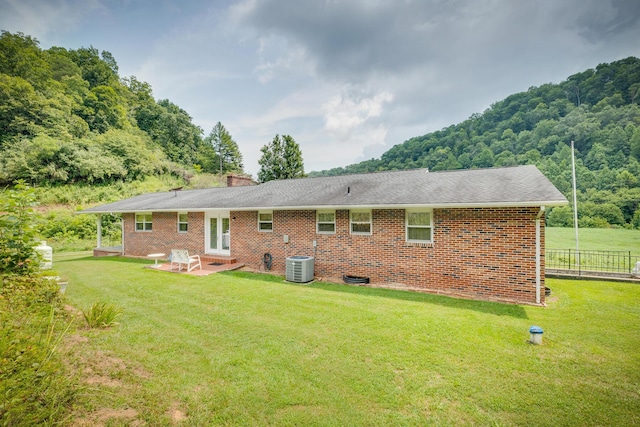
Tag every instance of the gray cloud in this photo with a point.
(346, 78)
(358, 39)
(613, 19)
(444, 60)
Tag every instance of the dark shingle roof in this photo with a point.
(498, 187)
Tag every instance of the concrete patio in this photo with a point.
(207, 268)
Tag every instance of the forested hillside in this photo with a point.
(598, 109)
(66, 116)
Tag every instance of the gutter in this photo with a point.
(538, 250)
(524, 204)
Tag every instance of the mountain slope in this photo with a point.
(67, 116)
(598, 109)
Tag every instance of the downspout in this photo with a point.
(538, 250)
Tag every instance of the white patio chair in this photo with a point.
(180, 259)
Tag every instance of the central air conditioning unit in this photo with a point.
(299, 269)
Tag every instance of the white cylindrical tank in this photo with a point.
(535, 334)
(46, 254)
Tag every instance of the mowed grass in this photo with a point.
(248, 349)
(596, 239)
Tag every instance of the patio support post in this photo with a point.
(122, 234)
(538, 249)
(99, 229)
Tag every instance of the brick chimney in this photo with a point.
(239, 181)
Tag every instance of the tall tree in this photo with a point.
(228, 154)
(96, 70)
(172, 128)
(21, 56)
(281, 159)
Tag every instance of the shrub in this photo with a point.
(593, 222)
(561, 216)
(65, 231)
(17, 233)
(101, 315)
(635, 222)
(35, 386)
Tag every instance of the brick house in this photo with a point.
(469, 233)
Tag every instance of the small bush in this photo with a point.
(101, 315)
(17, 233)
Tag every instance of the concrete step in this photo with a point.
(219, 259)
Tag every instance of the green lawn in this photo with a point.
(246, 349)
(599, 239)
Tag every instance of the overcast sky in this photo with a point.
(347, 79)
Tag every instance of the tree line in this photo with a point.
(66, 116)
(597, 109)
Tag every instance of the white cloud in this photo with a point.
(301, 104)
(328, 153)
(344, 115)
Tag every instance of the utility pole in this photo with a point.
(575, 204)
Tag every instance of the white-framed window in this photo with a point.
(144, 222)
(360, 221)
(265, 221)
(183, 222)
(419, 225)
(326, 222)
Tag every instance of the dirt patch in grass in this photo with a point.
(176, 414)
(110, 386)
(107, 416)
(105, 381)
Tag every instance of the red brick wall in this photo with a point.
(164, 235)
(486, 254)
(239, 181)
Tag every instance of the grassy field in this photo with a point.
(246, 349)
(603, 239)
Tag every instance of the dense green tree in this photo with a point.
(104, 110)
(172, 128)
(608, 212)
(95, 69)
(561, 216)
(281, 159)
(20, 108)
(61, 64)
(21, 56)
(506, 158)
(634, 143)
(484, 159)
(228, 156)
(443, 159)
(294, 165)
(636, 219)
(596, 158)
(114, 155)
(55, 103)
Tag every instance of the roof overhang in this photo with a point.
(494, 205)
